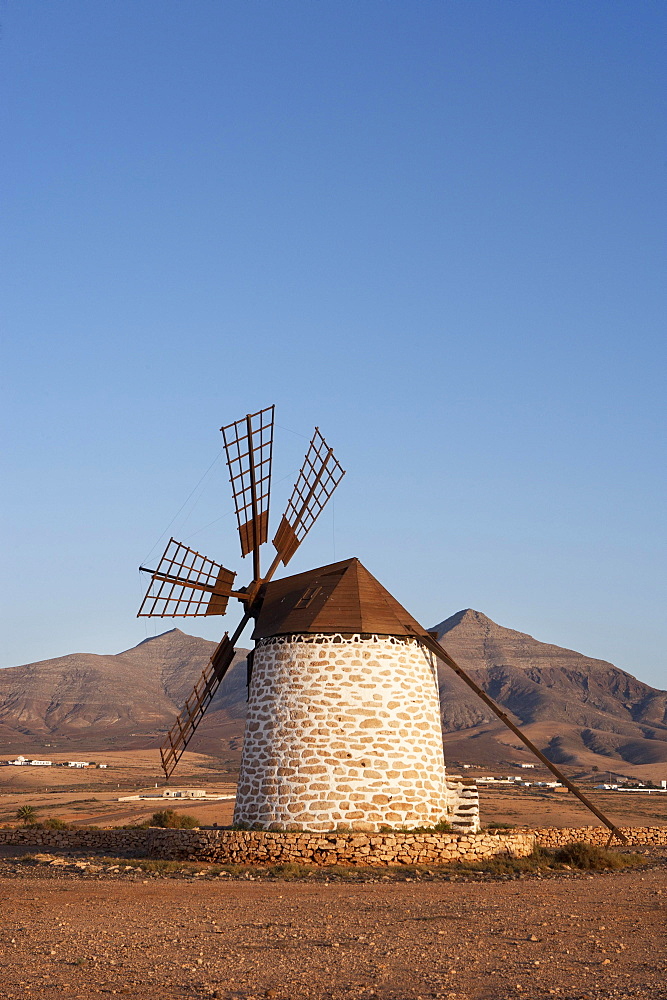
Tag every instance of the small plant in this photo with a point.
(592, 858)
(171, 820)
(26, 814)
(500, 826)
(188, 822)
(442, 827)
(54, 824)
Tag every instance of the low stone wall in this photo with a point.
(131, 843)
(553, 836)
(268, 847)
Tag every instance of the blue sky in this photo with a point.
(436, 230)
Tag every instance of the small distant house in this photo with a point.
(42, 763)
(18, 762)
(184, 793)
(78, 763)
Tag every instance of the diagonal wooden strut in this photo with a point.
(432, 644)
(195, 706)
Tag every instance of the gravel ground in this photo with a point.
(80, 929)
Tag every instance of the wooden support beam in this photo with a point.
(431, 643)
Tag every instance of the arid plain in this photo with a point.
(90, 795)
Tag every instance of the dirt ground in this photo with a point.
(571, 936)
(532, 807)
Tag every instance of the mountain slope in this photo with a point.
(571, 705)
(577, 709)
(129, 698)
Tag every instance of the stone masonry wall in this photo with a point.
(127, 842)
(268, 847)
(559, 836)
(265, 847)
(342, 732)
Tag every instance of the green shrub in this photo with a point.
(54, 824)
(171, 820)
(188, 822)
(592, 858)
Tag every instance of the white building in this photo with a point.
(78, 763)
(174, 793)
(42, 763)
(184, 793)
(19, 761)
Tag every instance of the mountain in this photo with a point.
(578, 710)
(129, 699)
(573, 707)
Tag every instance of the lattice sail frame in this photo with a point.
(249, 447)
(186, 584)
(189, 584)
(195, 706)
(320, 475)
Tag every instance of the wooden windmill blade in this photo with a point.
(430, 641)
(320, 475)
(249, 448)
(186, 584)
(202, 695)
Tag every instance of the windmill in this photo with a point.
(188, 584)
(343, 724)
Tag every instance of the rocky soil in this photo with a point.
(97, 926)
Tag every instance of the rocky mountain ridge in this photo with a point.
(576, 708)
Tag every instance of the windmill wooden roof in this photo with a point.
(343, 597)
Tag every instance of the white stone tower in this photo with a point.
(343, 726)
